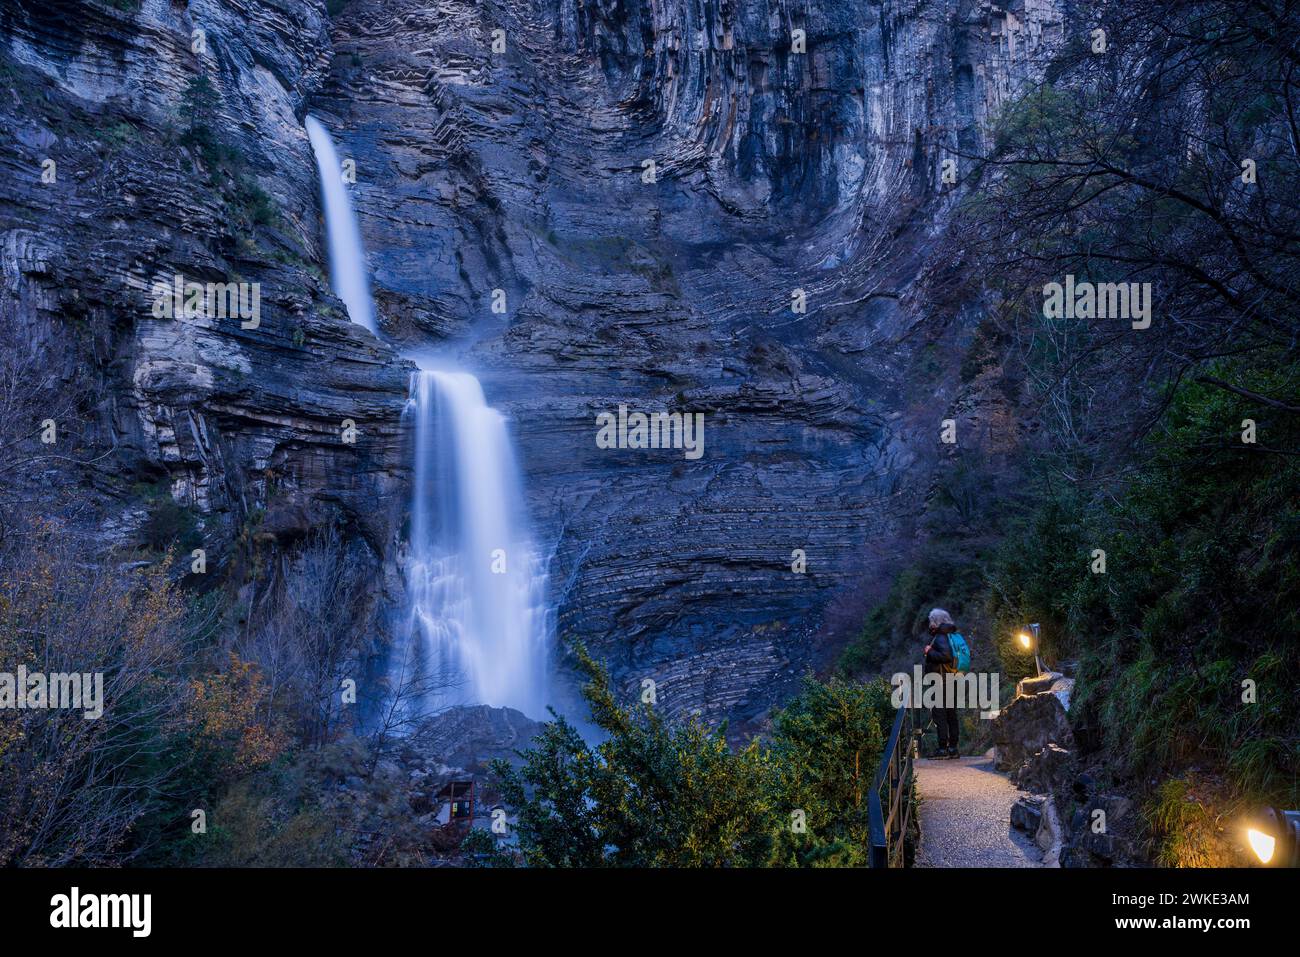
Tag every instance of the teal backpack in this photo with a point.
(960, 652)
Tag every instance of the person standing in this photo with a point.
(940, 660)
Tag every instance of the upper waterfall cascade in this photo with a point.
(347, 256)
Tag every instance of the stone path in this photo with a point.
(966, 817)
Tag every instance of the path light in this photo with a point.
(1029, 642)
(1262, 844)
(1274, 836)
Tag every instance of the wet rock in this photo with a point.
(240, 425)
(471, 738)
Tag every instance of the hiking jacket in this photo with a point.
(940, 658)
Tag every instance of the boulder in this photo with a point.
(1027, 725)
(1049, 835)
(1062, 688)
(1036, 816)
(1037, 684)
(1100, 848)
(1027, 814)
(1115, 806)
(472, 736)
(1045, 771)
(1050, 682)
(1083, 786)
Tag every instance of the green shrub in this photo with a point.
(826, 744)
(168, 523)
(1201, 592)
(1181, 821)
(653, 794)
(272, 819)
(249, 203)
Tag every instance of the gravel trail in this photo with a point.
(966, 817)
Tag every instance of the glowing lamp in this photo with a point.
(1274, 836)
(1029, 641)
(1262, 844)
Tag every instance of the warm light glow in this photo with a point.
(1262, 844)
(1026, 640)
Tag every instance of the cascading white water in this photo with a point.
(475, 580)
(347, 257)
(478, 631)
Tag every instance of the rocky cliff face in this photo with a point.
(523, 168)
(240, 420)
(691, 206)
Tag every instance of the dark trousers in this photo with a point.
(945, 720)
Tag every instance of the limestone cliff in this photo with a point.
(244, 425)
(798, 156)
(524, 171)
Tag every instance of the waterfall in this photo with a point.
(475, 581)
(347, 257)
(477, 628)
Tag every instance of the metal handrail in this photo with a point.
(894, 776)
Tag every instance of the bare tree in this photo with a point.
(313, 630)
(408, 697)
(1167, 157)
(41, 424)
(73, 787)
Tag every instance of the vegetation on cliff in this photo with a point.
(1157, 534)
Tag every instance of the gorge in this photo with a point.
(359, 356)
(515, 177)
(676, 294)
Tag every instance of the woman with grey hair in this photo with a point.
(940, 660)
